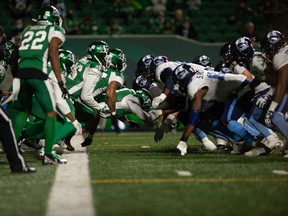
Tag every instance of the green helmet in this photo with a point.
(98, 51)
(49, 15)
(145, 98)
(117, 59)
(67, 60)
(8, 47)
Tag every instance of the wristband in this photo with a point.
(162, 96)
(194, 117)
(113, 113)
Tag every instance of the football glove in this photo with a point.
(65, 92)
(78, 127)
(158, 100)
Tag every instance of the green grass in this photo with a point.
(128, 179)
(25, 194)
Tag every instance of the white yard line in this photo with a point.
(71, 194)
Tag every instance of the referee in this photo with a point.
(8, 55)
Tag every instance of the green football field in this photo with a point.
(132, 175)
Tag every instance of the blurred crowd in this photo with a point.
(116, 17)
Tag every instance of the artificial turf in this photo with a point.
(132, 175)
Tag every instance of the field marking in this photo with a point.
(71, 193)
(188, 180)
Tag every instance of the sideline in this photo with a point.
(71, 193)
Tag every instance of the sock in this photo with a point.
(19, 124)
(49, 132)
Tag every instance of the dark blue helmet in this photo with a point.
(221, 67)
(226, 54)
(182, 74)
(203, 60)
(243, 49)
(158, 60)
(143, 65)
(272, 42)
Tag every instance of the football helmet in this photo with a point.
(182, 75)
(49, 15)
(141, 82)
(158, 60)
(243, 49)
(117, 59)
(272, 42)
(203, 60)
(67, 61)
(221, 67)
(8, 47)
(143, 65)
(145, 98)
(226, 54)
(98, 51)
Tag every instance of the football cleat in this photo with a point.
(86, 142)
(53, 159)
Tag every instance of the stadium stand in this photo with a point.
(215, 21)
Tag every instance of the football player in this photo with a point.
(276, 50)
(111, 80)
(40, 42)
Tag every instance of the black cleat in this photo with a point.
(86, 142)
(32, 144)
(70, 147)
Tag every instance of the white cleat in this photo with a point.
(208, 144)
(182, 147)
(256, 152)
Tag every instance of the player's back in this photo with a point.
(33, 52)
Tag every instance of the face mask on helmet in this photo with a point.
(143, 65)
(49, 15)
(272, 42)
(8, 47)
(243, 49)
(67, 61)
(145, 98)
(98, 51)
(203, 60)
(117, 60)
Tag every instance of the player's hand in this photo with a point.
(105, 112)
(154, 114)
(268, 119)
(182, 147)
(78, 127)
(65, 92)
(263, 101)
(158, 100)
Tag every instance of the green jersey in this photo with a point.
(75, 81)
(33, 52)
(122, 96)
(108, 76)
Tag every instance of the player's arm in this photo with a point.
(111, 96)
(166, 78)
(282, 83)
(54, 57)
(90, 82)
(194, 115)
